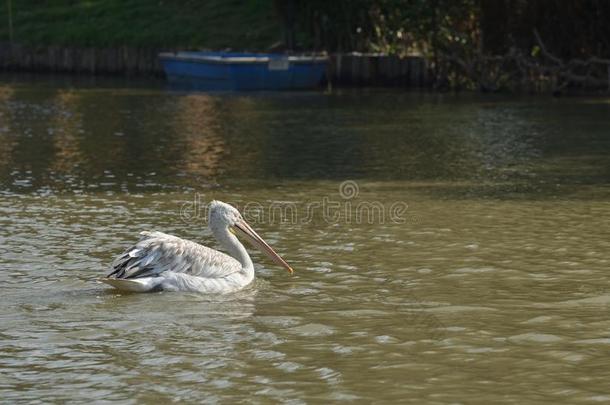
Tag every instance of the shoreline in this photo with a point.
(345, 69)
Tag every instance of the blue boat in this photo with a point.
(243, 71)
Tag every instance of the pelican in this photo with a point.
(161, 262)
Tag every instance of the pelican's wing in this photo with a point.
(157, 252)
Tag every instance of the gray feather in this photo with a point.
(156, 253)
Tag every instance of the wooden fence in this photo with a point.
(344, 69)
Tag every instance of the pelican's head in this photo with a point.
(228, 217)
(223, 214)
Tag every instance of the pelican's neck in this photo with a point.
(233, 247)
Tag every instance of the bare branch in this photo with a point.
(544, 50)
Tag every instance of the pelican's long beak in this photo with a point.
(252, 237)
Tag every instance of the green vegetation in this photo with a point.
(213, 24)
(491, 45)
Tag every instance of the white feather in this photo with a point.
(162, 261)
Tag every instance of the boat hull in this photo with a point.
(232, 71)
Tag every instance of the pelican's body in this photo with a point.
(164, 262)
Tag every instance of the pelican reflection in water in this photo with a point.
(164, 262)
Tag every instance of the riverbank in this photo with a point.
(213, 24)
(125, 37)
(345, 69)
(465, 42)
(124, 60)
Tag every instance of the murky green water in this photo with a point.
(467, 263)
